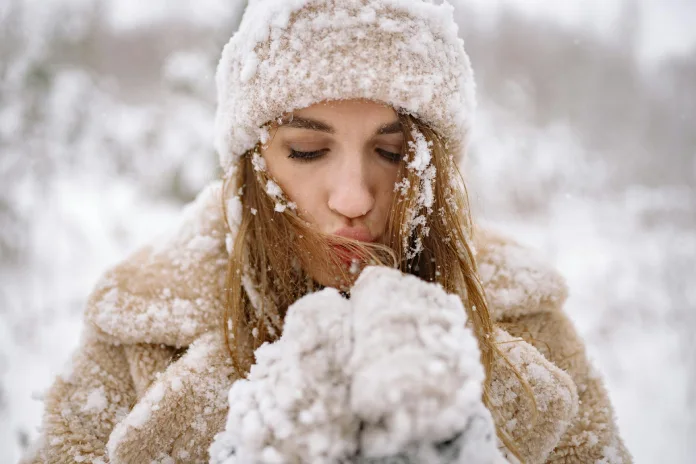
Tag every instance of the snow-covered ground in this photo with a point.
(86, 174)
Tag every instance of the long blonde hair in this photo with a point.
(272, 249)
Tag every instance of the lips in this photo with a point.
(347, 255)
(361, 234)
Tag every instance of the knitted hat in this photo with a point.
(290, 54)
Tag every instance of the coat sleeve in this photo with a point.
(533, 401)
(179, 412)
(592, 435)
(84, 404)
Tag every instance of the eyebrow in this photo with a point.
(391, 128)
(313, 124)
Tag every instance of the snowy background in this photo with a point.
(585, 147)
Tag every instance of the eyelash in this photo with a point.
(307, 156)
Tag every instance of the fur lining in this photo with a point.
(170, 291)
(517, 280)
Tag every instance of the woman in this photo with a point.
(339, 127)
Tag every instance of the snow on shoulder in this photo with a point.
(390, 374)
(169, 290)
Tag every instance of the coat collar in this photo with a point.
(170, 291)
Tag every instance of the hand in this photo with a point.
(294, 405)
(391, 375)
(416, 376)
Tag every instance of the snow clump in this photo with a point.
(390, 375)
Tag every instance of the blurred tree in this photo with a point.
(634, 116)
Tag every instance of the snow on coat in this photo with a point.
(150, 380)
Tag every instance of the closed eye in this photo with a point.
(306, 155)
(312, 155)
(389, 156)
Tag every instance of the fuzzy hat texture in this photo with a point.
(290, 54)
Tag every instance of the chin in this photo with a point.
(336, 278)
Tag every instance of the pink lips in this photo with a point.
(356, 233)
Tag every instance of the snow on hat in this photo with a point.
(290, 54)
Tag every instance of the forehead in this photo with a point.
(357, 109)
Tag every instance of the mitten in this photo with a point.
(416, 375)
(293, 407)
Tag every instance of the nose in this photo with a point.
(351, 194)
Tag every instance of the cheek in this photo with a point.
(299, 184)
(385, 180)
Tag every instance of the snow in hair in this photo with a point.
(421, 163)
(290, 54)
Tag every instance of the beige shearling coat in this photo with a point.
(150, 379)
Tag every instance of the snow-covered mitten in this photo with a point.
(293, 408)
(416, 374)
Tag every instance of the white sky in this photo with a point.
(669, 26)
(133, 13)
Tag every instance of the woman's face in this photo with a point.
(338, 162)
